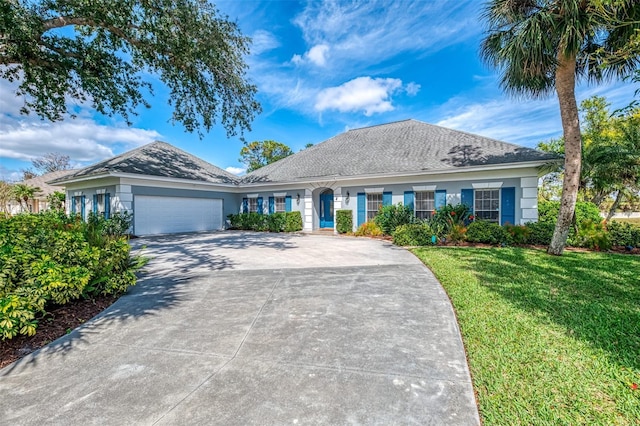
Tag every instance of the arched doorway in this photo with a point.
(326, 209)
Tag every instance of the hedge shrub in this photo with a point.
(592, 235)
(548, 212)
(51, 259)
(293, 221)
(344, 221)
(485, 232)
(276, 222)
(540, 233)
(624, 234)
(413, 234)
(391, 216)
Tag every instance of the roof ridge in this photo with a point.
(381, 124)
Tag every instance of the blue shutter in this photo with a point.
(441, 198)
(287, 203)
(362, 208)
(107, 205)
(466, 198)
(83, 200)
(245, 205)
(408, 199)
(508, 207)
(272, 205)
(386, 199)
(95, 203)
(260, 205)
(73, 205)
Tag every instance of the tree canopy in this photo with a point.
(545, 45)
(102, 52)
(52, 162)
(258, 154)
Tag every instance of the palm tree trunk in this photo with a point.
(615, 205)
(565, 88)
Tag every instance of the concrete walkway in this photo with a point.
(257, 329)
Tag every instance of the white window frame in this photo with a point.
(371, 213)
(77, 202)
(279, 204)
(252, 204)
(484, 208)
(421, 208)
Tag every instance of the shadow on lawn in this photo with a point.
(597, 300)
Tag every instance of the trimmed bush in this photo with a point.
(369, 229)
(344, 221)
(392, 216)
(276, 222)
(482, 231)
(624, 234)
(540, 233)
(293, 222)
(413, 234)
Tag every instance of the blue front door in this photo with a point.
(326, 210)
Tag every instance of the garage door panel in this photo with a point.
(166, 215)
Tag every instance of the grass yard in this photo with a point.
(631, 220)
(550, 340)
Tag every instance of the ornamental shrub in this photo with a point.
(540, 233)
(519, 233)
(449, 216)
(369, 229)
(293, 222)
(51, 258)
(592, 235)
(624, 234)
(344, 221)
(482, 231)
(391, 216)
(413, 234)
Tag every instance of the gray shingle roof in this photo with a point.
(158, 159)
(399, 147)
(42, 182)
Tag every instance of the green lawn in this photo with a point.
(633, 221)
(550, 340)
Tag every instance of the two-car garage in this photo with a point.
(168, 215)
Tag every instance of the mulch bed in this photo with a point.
(56, 323)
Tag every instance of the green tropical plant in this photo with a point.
(22, 193)
(482, 231)
(344, 221)
(293, 222)
(542, 45)
(369, 229)
(391, 216)
(414, 234)
(449, 216)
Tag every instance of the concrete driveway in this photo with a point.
(257, 329)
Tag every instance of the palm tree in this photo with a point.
(23, 193)
(542, 45)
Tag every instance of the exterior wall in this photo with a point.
(526, 208)
(297, 198)
(91, 188)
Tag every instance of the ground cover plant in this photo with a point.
(550, 340)
(51, 259)
(274, 222)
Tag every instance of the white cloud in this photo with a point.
(318, 54)
(366, 33)
(412, 89)
(263, 41)
(522, 121)
(360, 94)
(236, 170)
(81, 139)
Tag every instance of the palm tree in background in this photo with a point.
(23, 193)
(542, 45)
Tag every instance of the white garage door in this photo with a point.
(168, 215)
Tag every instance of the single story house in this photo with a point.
(411, 162)
(39, 202)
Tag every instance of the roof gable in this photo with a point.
(158, 159)
(399, 147)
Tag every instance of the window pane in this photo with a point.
(374, 202)
(424, 204)
(280, 204)
(487, 204)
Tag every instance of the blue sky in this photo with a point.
(322, 68)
